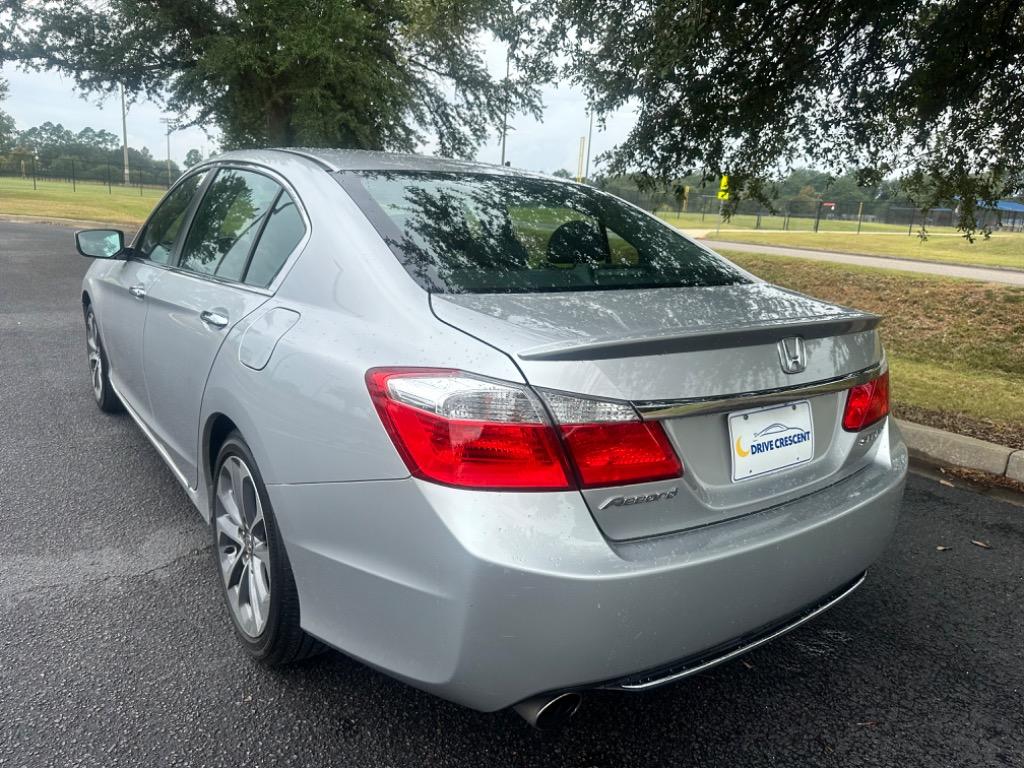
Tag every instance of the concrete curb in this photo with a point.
(949, 449)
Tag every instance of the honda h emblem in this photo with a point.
(792, 354)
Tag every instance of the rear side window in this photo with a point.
(227, 223)
(164, 225)
(282, 234)
(502, 233)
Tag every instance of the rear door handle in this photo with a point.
(138, 291)
(213, 319)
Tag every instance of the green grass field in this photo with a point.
(956, 347)
(1000, 250)
(91, 201)
(795, 224)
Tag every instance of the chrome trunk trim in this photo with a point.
(667, 409)
(643, 682)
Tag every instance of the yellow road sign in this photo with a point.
(723, 188)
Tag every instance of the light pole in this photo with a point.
(504, 118)
(590, 137)
(170, 127)
(124, 136)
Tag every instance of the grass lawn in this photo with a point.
(1000, 250)
(956, 347)
(803, 223)
(91, 201)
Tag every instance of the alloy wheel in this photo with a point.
(243, 550)
(92, 343)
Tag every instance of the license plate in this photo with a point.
(766, 440)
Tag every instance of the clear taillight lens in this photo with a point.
(866, 404)
(454, 428)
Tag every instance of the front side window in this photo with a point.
(157, 242)
(227, 223)
(497, 233)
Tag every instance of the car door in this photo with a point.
(121, 304)
(194, 306)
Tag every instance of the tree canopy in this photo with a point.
(51, 137)
(92, 154)
(930, 90)
(377, 74)
(8, 131)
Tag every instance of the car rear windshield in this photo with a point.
(496, 233)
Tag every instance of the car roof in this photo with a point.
(366, 160)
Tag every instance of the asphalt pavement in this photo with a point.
(115, 648)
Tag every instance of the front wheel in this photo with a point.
(99, 368)
(256, 578)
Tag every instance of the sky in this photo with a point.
(546, 145)
(38, 97)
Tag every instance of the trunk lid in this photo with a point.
(656, 347)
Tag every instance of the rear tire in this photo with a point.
(255, 575)
(99, 367)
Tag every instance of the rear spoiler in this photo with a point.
(705, 338)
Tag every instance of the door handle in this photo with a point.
(138, 291)
(213, 319)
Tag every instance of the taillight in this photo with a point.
(866, 404)
(461, 430)
(608, 444)
(458, 429)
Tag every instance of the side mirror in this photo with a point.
(100, 243)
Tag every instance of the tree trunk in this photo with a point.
(280, 132)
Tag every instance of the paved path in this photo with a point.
(1005, 276)
(115, 649)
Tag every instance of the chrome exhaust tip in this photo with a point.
(549, 713)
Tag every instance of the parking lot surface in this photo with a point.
(115, 648)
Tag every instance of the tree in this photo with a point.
(46, 136)
(101, 139)
(353, 73)
(930, 90)
(561, 173)
(8, 131)
(192, 157)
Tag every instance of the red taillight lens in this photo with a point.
(513, 447)
(462, 430)
(866, 404)
(620, 453)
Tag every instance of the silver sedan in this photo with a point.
(505, 437)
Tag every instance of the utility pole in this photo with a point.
(170, 127)
(124, 137)
(504, 119)
(590, 137)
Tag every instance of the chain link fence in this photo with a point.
(75, 173)
(809, 215)
(695, 211)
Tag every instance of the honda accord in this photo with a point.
(504, 437)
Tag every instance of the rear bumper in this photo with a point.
(712, 657)
(489, 598)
